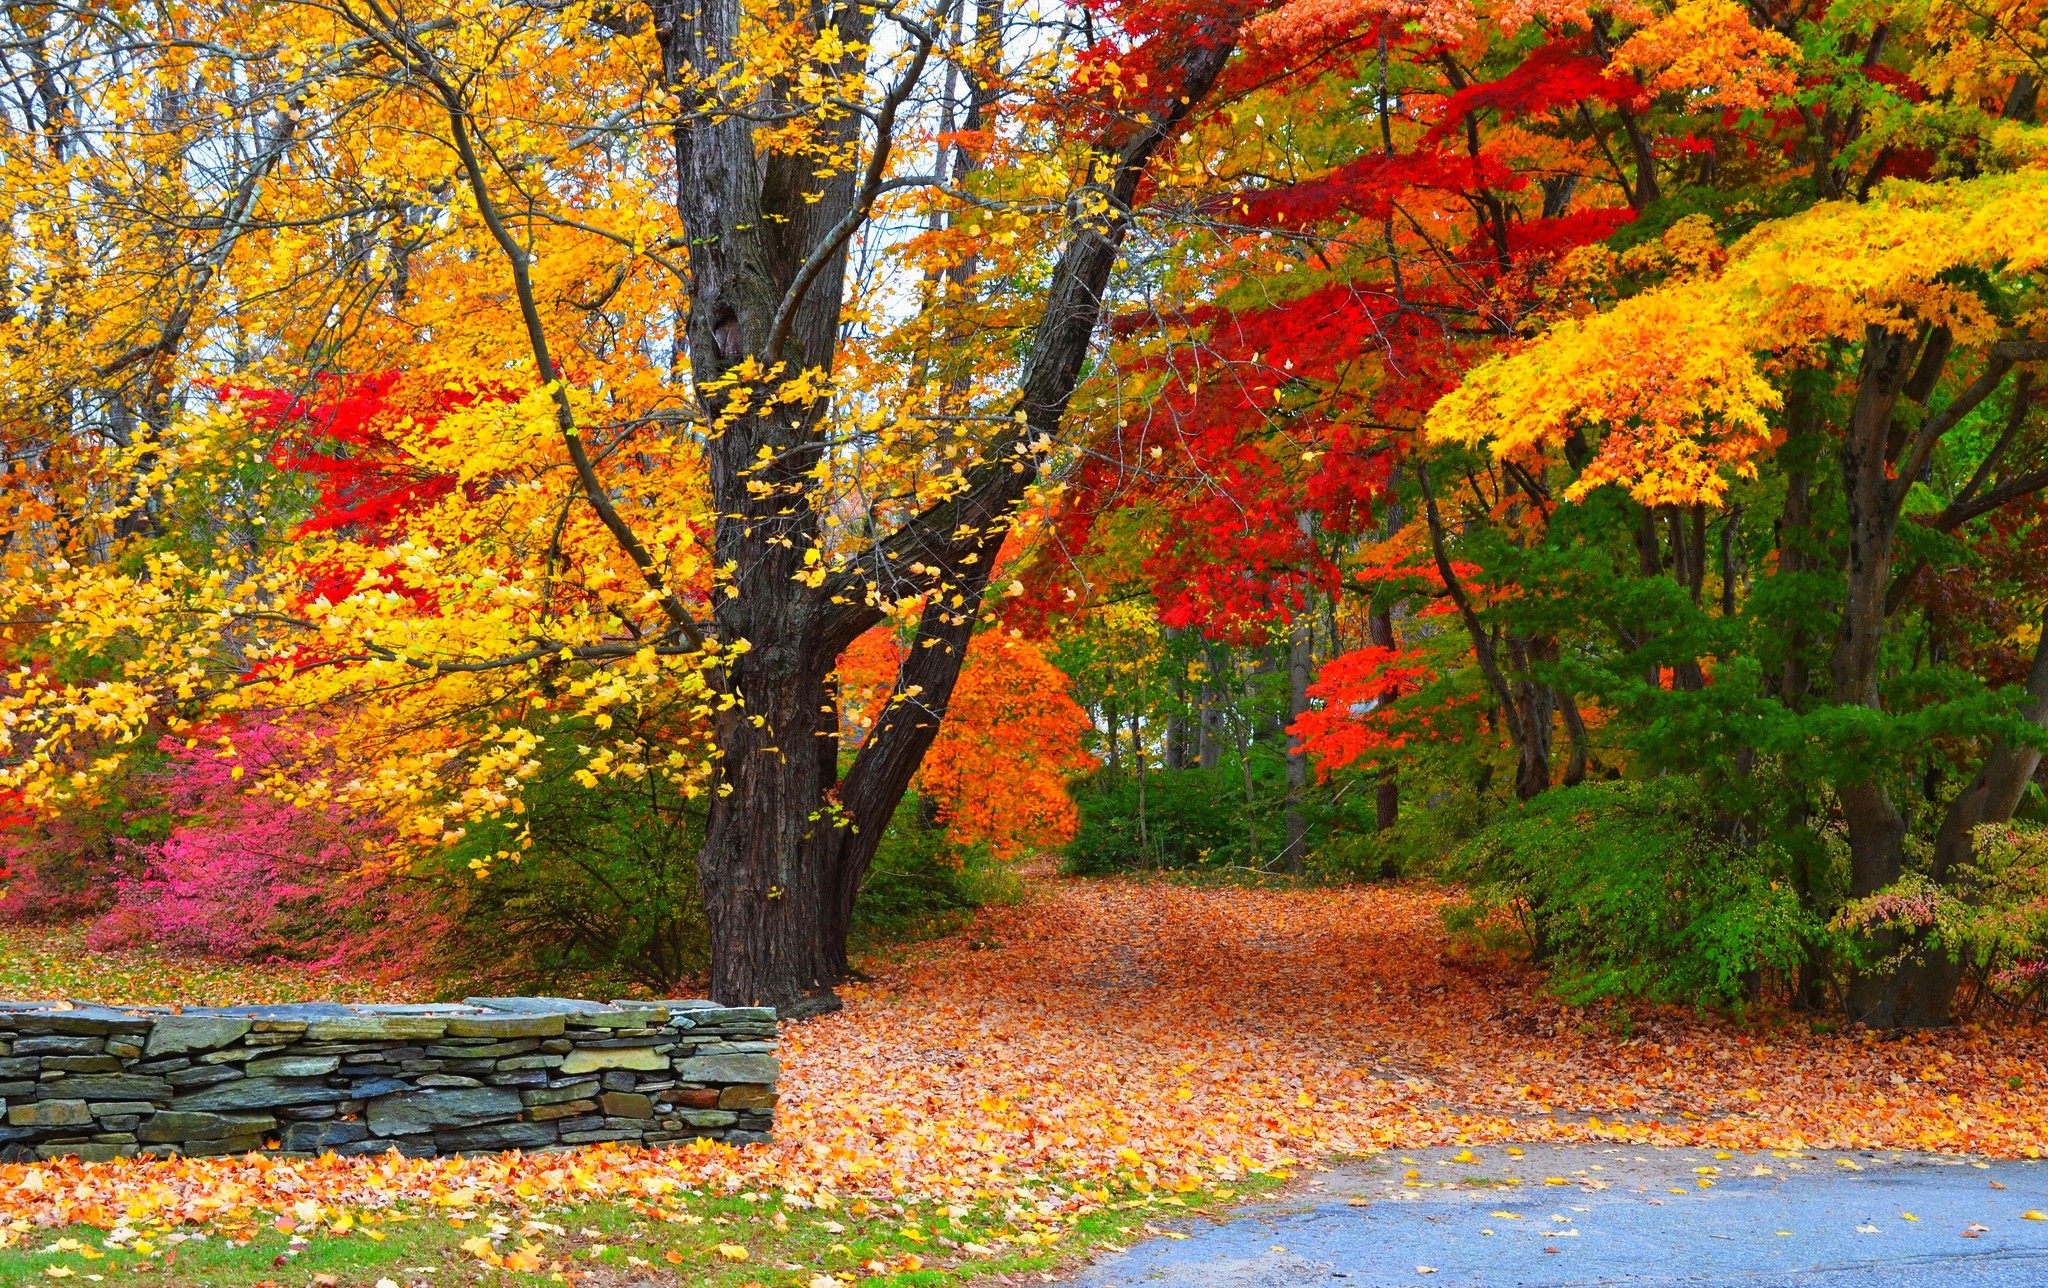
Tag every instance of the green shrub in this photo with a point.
(919, 885)
(1625, 891)
(603, 896)
(1193, 818)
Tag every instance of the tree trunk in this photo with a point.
(1215, 697)
(1387, 805)
(786, 848)
(1300, 643)
(1916, 994)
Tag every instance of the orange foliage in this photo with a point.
(1011, 738)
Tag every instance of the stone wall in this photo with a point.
(493, 1073)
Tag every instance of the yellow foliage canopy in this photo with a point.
(1673, 389)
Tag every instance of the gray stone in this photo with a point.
(595, 1137)
(260, 1093)
(81, 1064)
(543, 1025)
(446, 1080)
(105, 1086)
(22, 1067)
(224, 1147)
(317, 1138)
(375, 1028)
(103, 1108)
(541, 1005)
(185, 1125)
(708, 1117)
(98, 1021)
(356, 1148)
(625, 1104)
(418, 1111)
(50, 1113)
(178, 1034)
(729, 1068)
(86, 1152)
(637, 1057)
(491, 1050)
(183, 1078)
(123, 1049)
(531, 1062)
(582, 1090)
(371, 1088)
(520, 1078)
(496, 1136)
(295, 1066)
(711, 1015)
(59, 1046)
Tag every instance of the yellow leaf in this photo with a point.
(732, 1252)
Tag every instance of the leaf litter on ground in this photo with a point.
(1112, 1038)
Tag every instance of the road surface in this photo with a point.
(1568, 1215)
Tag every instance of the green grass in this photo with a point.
(614, 1244)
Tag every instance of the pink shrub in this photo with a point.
(246, 875)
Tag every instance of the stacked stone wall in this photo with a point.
(489, 1074)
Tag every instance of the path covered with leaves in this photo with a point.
(1157, 1029)
(1111, 1035)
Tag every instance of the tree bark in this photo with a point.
(1387, 802)
(1300, 642)
(787, 847)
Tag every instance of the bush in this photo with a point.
(1193, 818)
(920, 884)
(593, 889)
(1625, 891)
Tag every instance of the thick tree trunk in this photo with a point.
(787, 848)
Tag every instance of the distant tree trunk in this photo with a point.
(1215, 697)
(1176, 750)
(1300, 645)
(1138, 768)
(1387, 808)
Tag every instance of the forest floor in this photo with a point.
(1055, 1079)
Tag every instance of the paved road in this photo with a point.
(1625, 1216)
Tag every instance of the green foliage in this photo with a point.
(603, 895)
(1192, 818)
(919, 885)
(1625, 891)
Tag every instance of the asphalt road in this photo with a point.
(1621, 1216)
